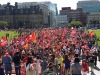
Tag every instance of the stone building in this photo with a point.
(22, 17)
(49, 10)
(76, 14)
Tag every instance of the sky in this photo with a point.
(60, 3)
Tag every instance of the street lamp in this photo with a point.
(49, 18)
(24, 25)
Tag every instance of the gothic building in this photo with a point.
(22, 17)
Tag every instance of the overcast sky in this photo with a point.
(60, 3)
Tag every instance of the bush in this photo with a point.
(3, 24)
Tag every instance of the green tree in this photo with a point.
(94, 21)
(3, 24)
(76, 23)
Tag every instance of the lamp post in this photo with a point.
(32, 24)
(24, 25)
(48, 18)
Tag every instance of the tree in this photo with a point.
(3, 24)
(20, 24)
(76, 23)
(94, 21)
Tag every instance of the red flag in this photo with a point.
(92, 33)
(32, 37)
(28, 39)
(4, 41)
(73, 31)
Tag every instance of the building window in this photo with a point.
(22, 11)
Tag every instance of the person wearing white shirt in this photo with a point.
(76, 52)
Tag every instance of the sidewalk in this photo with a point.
(22, 70)
(96, 70)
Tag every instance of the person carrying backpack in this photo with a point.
(76, 67)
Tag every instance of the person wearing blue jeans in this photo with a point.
(1, 70)
(17, 69)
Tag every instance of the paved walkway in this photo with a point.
(96, 70)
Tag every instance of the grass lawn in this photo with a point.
(12, 34)
(97, 32)
(98, 35)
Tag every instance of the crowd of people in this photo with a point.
(60, 51)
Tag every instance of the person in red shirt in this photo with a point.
(27, 56)
(85, 67)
